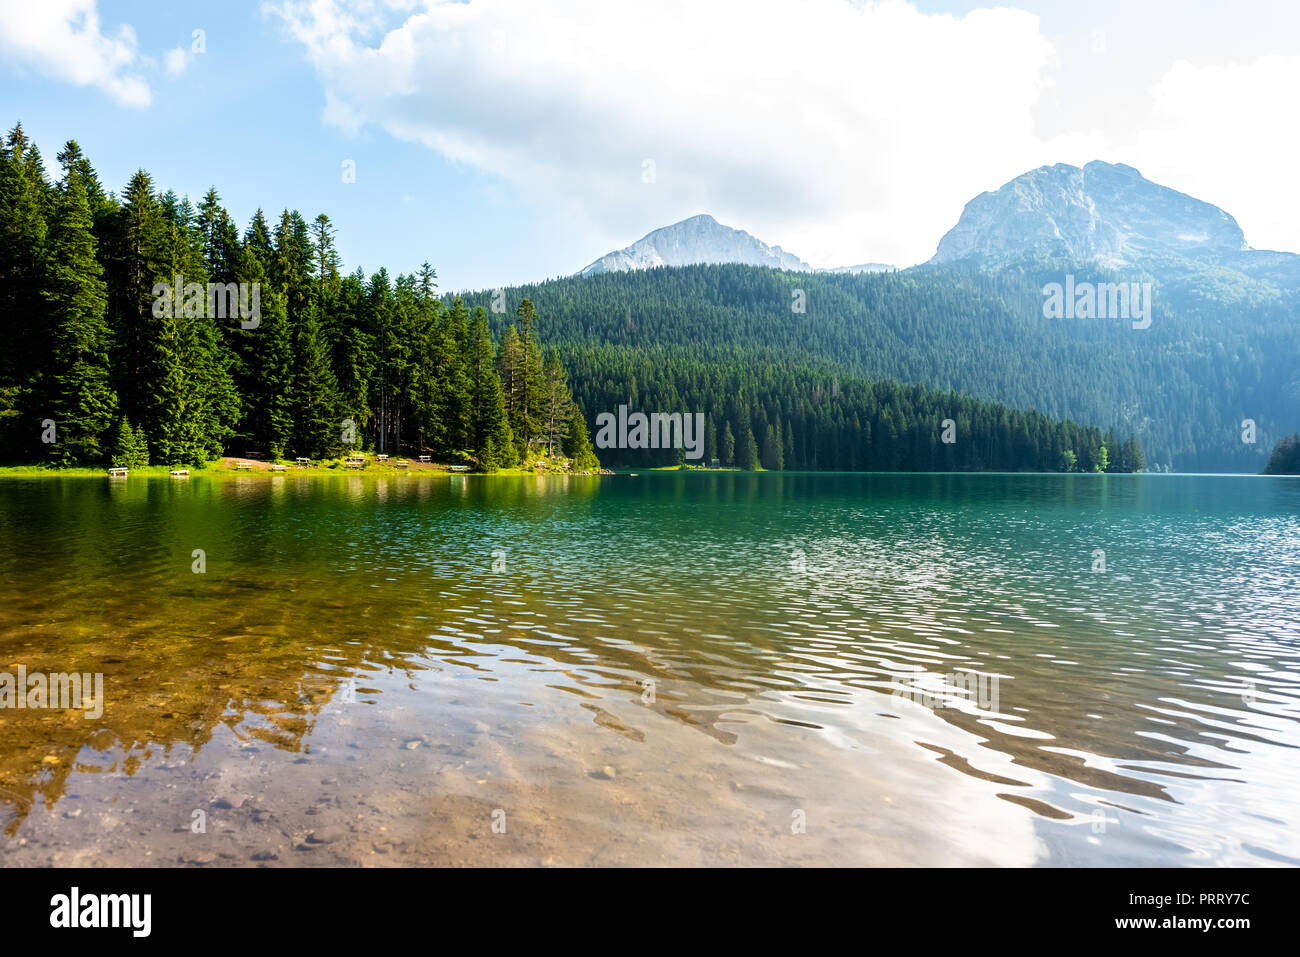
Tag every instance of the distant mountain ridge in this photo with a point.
(1107, 213)
(702, 240)
(695, 241)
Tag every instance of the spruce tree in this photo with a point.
(747, 454)
(130, 450)
(582, 457)
(23, 227)
(558, 403)
(493, 441)
(78, 390)
(314, 392)
(773, 456)
(273, 396)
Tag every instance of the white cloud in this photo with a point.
(845, 132)
(63, 39)
(175, 61)
(1227, 134)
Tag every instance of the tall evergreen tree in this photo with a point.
(582, 458)
(493, 441)
(557, 407)
(747, 453)
(79, 392)
(23, 203)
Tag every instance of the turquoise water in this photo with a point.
(667, 668)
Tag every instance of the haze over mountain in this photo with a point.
(702, 240)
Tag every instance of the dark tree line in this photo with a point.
(1285, 459)
(775, 412)
(287, 357)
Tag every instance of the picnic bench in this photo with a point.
(180, 473)
(302, 461)
(401, 463)
(458, 468)
(243, 466)
(425, 458)
(382, 458)
(117, 473)
(277, 467)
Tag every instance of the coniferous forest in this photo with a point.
(121, 376)
(104, 365)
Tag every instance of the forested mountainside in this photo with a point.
(1221, 347)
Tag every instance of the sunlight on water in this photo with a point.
(662, 669)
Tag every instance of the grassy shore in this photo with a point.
(227, 466)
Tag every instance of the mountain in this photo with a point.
(1221, 346)
(700, 239)
(1111, 215)
(1106, 212)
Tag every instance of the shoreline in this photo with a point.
(224, 467)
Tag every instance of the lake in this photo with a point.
(661, 669)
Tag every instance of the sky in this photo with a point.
(508, 141)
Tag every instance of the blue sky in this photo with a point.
(506, 141)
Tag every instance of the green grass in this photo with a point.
(335, 466)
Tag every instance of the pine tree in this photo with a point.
(728, 445)
(138, 259)
(79, 393)
(490, 425)
(747, 454)
(511, 369)
(23, 200)
(130, 450)
(582, 457)
(273, 398)
(773, 455)
(314, 392)
(453, 345)
(558, 403)
(530, 414)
